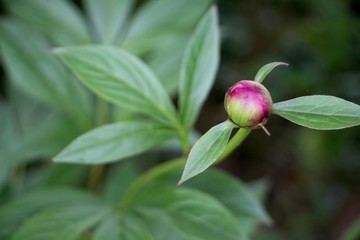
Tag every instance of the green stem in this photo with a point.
(97, 171)
(234, 142)
(102, 112)
(184, 141)
(147, 177)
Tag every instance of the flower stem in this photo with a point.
(234, 142)
(97, 171)
(184, 141)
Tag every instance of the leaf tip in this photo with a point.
(283, 63)
(58, 158)
(181, 181)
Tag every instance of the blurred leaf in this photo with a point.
(33, 70)
(161, 225)
(319, 112)
(114, 142)
(132, 227)
(19, 210)
(61, 222)
(59, 20)
(8, 138)
(108, 229)
(233, 193)
(151, 23)
(108, 17)
(193, 213)
(199, 67)
(353, 232)
(265, 70)
(259, 188)
(25, 137)
(39, 142)
(237, 196)
(207, 149)
(165, 60)
(118, 179)
(120, 77)
(64, 174)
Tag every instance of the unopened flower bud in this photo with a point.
(248, 104)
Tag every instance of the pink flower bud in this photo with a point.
(248, 104)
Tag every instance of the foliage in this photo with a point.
(129, 65)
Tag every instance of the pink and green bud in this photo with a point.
(248, 104)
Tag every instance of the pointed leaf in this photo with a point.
(59, 20)
(121, 78)
(108, 17)
(265, 70)
(207, 149)
(319, 112)
(114, 142)
(199, 67)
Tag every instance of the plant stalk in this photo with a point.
(234, 142)
(97, 171)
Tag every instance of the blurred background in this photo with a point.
(313, 176)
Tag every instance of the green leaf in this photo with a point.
(193, 213)
(118, 180)
(64, 222)
(230, 191)
(28, 133)
(121, 78)
(161, 225)
(165, 60)
(319, 112)
(114, 142)
(17, 211)
(151, 22)
(108, 17)
(132, 227)
(207, 149)
(59, 20)
(8, 138)
(108, 229)
(265, 70)
(199, 67)
(36, 72)
(64, 175)
(233, 193)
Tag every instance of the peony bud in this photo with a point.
(248, 104)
